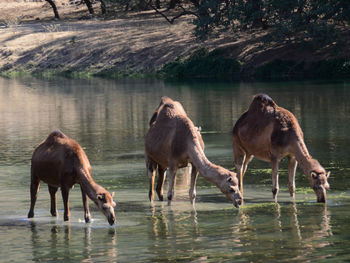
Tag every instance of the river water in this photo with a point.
(110, 119)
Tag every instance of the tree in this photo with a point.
(54, 8)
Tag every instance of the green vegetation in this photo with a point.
(202, 64)
(286, 70)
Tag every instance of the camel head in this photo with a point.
(229, 186)
(318, 181)
(105, 203)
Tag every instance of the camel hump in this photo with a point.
(54, 135)
(261, 101)
(165, 100)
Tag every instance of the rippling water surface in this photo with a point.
(110, 119)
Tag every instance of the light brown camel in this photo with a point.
(172, 142)
(270, 133)
(60, 162)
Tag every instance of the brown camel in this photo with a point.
(172, 142)
(270, 133)
(60, 162)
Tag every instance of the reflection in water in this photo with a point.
(303, 240)
(64, 243)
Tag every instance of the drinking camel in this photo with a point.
(172, 142)
(60, 162)
(270, 133)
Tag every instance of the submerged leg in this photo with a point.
(160, 182)
(239, 161)
(65, 193)
(192, 192)
(151, 172)
(34, 189)
(172, 173)
(275, 185)
(87, 215)
(53, 191)
(292, 166)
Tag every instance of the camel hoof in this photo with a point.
(161, 198)
(87, 220)
(150, 196)
(30, 214)
(54, 213)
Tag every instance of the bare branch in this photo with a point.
(171, 20)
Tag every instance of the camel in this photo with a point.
(61, 162)
(270, 133)
(173, 142)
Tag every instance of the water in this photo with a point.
(110, 119)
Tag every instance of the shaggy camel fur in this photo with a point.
(172, 142)
(270, 133)
(60, 162)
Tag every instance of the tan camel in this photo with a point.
(60, 162)
(172, 142)
(270, 133)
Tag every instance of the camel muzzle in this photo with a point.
(111, 220)
(237, 202)
(321, 194)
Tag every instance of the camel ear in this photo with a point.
(328, 174)
(314, 175)
(199, 128)
(112, 194)
(229, 179)
(101, 196)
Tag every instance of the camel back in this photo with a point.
(260, 102)
(169, 108)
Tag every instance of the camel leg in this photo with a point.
(194, 175)
(275, 185)
(239, 159)
(292, 166)
(34, 189)
(87, 215)
(151, 172)
(65, 193)
(53, 191)
(172, 173)
(246, 162)
(160, 182)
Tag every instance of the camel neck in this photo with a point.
(206, 168)
(88, 185)
(301, 154)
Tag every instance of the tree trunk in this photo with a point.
(103, 7)
(54, 8)
(89, 6)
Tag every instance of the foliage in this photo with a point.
(288, 20)
(203, 64)
(284, 70)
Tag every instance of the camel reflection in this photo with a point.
(67, 242)
(173, 231)
(304, 227)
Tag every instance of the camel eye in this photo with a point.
(232, 190)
